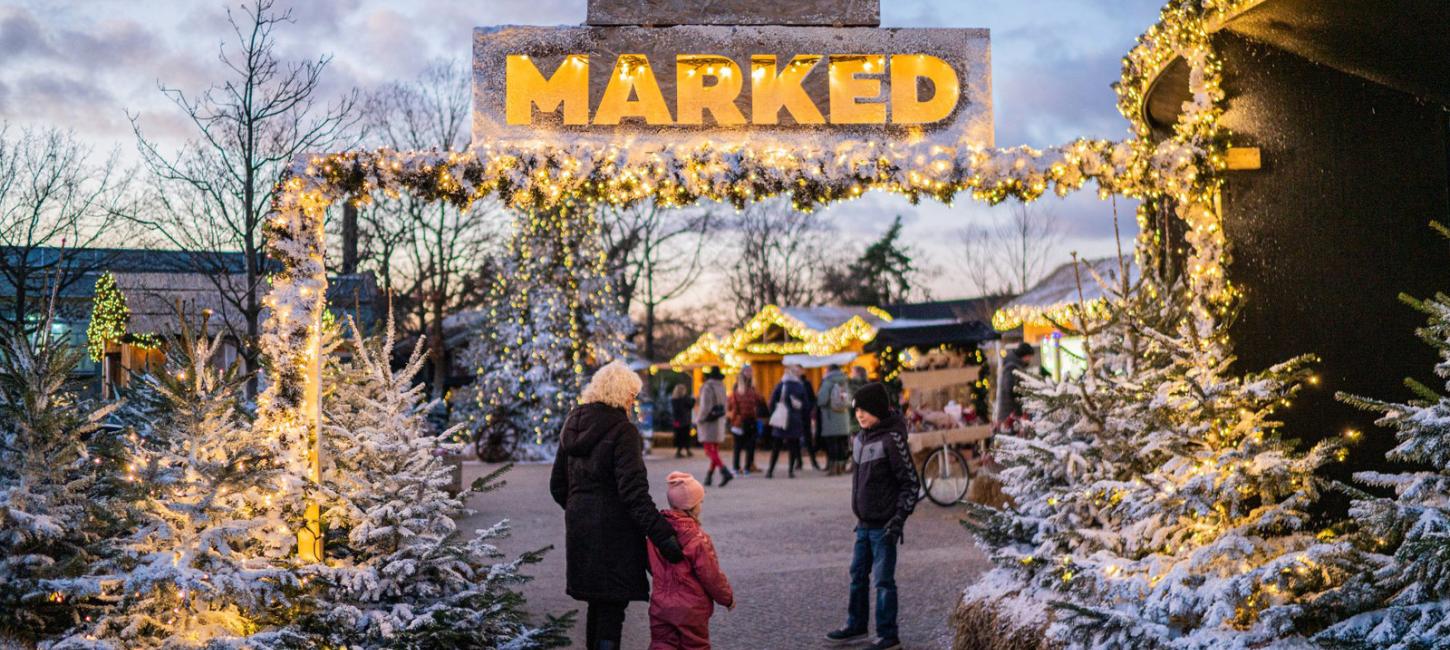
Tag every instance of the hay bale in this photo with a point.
(986, 485)
(994, 615)
(986, 489)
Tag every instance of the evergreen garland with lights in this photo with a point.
(551, 316)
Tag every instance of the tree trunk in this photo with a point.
(649, 331)
(437, 352)
(252, 313)
(252, 310)
(349, 238)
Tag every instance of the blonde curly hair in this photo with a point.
(614, 384)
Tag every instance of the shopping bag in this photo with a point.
(780, 417)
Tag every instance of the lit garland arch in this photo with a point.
(1183, 168)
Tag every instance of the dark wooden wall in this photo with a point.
(1332, 228)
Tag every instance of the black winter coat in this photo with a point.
(599, 479)
(884, 485)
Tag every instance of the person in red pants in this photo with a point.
(685, 593)
(711, 425)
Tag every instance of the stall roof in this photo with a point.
(952, 333)
(967, 309)
(1049, 299)
(826, 317)
(820, 330)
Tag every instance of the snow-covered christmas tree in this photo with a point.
(59, 495)
(1078, 456)
(1216, 542)
(1407, 596)
(551, 315)
(211, 561)
(1156, 503)
(400, 573)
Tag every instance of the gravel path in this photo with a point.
(785, 545)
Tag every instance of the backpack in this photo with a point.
(839, 401)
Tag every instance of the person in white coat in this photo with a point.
(711, 425)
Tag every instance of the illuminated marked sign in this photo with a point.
(633, 90)
(723, 85)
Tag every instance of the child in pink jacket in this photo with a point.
(685, 593)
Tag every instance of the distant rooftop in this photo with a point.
(156, 281)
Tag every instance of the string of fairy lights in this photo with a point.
(544, 291)
(109, 316)
(1181, 169)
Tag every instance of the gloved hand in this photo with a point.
(893, 533)
(670, 550)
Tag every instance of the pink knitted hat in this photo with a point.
(685, 492)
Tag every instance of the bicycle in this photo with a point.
(945, 474)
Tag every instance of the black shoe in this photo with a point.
(679, 453)
(770, 473)
(844, 635)
(709, 477)
(885, 644)
(725, 477)
(790, 474)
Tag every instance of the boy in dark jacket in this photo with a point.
(884, 488)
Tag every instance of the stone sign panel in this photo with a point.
(769, 85)
(837, 13)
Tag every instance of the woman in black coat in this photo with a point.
(599, 479)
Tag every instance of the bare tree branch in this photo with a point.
(1011, 255)
(779, 258)
(655, 256)
(210, 197)
(434, 258)
(51, 195)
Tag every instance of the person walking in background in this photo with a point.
(681, 406)
(599, 480)
(710, 424)
(835, 419)
(1009, 404)
(744, 408)
(685, 594)
(811, 441)
(884, 490)
(790, 409)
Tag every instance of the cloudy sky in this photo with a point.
(85, 65)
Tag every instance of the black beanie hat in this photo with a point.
(873, 398)
(1024, 349)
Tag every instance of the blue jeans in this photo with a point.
(873, 555)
